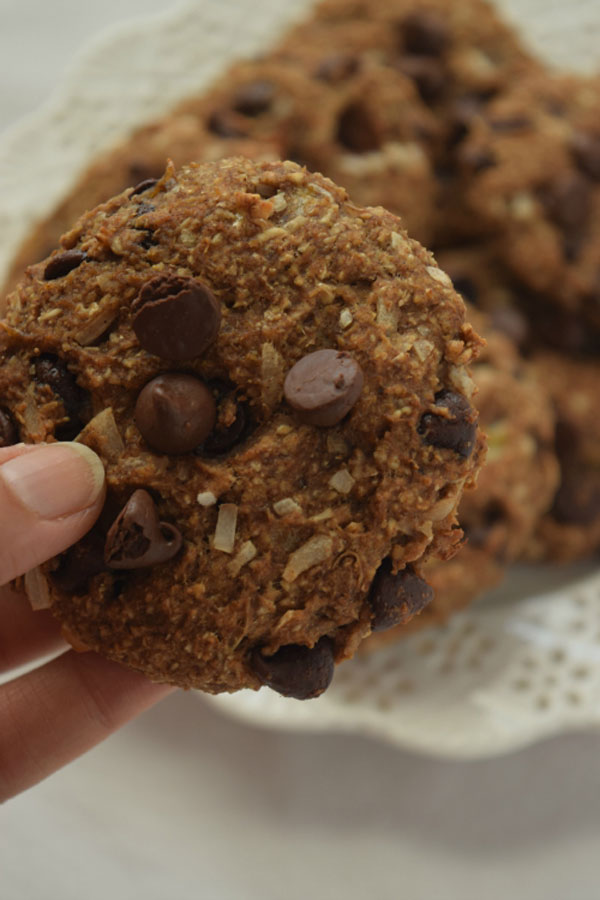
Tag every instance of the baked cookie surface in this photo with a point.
(276, 382)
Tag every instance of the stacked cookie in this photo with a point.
(437, 112)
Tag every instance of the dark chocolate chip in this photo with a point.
(428, 75)
(230, 432)
(463, 113)
(568, 201)
(425, 33)
(586, 150)
(453, 426)
(176, 317)
(297, 671)
(225, 124)
(63, 263)
(53, 372)
(8, 430)
(337, 67)
(254, 98)
(144, 185)
(323, 386)
(81, 563)
(396, 598)
(357, 130)
(137, 539)
(175, 413)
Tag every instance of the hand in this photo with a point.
(50, 496)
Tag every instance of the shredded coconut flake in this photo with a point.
(342, 481)
(224, 538)
(439, 275)
(206, 498)
(36, 588)
(286, 506)
(346, 318)
(310, 554)
(246, 554)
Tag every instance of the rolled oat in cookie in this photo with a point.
(257, 486)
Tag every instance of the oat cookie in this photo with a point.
(315, 483)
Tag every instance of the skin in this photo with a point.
(60, 708)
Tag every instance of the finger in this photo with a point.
(50, 495)
(57, 712)
(25, 635)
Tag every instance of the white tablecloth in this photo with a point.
(183, 803)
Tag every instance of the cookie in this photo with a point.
(322, 355)
(515, 488)
(532, 178)
(571, 529)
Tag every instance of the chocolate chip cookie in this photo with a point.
(276, 381)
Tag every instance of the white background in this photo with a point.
(184, 803)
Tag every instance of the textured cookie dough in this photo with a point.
(515, 488)
(531, 167)
(272, 548)
(571, 529)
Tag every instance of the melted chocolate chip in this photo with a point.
(137, 539)
(53, 372)
(143, 186)
(323, 386)
(454, 427)
(297, 671)
(337, 67)
(229, 430)
(425, 33)
(8, 430)
(63, 263)
(176, 317)
(428, 75)
(254, 98)
(175, 413)
(396, 598)
(586, 150)
(81, 563)
(568, 201)
(357, 130)
(225, 124)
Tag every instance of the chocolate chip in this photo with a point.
(233, 425)
(81, 563)
(337, 67)
(453, 426)
(428, 75)
(396, 598)
(63, 263)
(323, 386)
(254, 98)
(586, 150)
(297, 671)
(175, 413)
(144, 185)
(568, 201)
(176, 317)
(356, 130)
(137, 539)
(8, 430)
(224, 123)
(425, 33)
(53, 372)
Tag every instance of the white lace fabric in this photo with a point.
(521, 664)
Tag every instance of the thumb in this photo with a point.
(50, 495)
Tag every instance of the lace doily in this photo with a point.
(521, 664)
